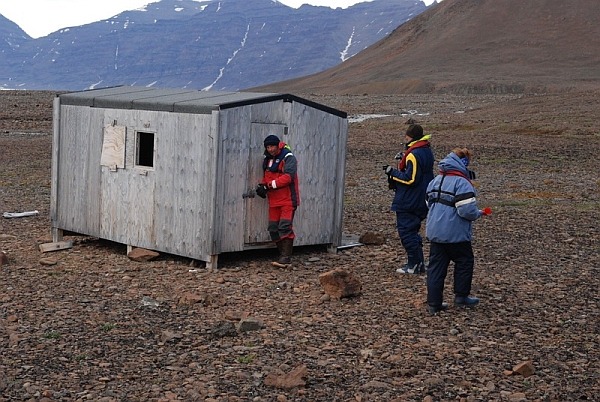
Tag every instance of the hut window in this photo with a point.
(144, 149)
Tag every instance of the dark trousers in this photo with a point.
(440, 255)
(409, 225)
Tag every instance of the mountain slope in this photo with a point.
(220, 45)
(474, 46)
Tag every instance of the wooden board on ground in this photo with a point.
(55, 246)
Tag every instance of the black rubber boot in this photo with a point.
(285, 247)
(434, 310)
(278, 244)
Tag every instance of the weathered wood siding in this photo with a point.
(204, 158)
(319, 143)
(242, 148)
(315, 138)
(78, 170)
(231, 182)
(166, 208)
(184, 184)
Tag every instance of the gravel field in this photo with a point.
(89, 324)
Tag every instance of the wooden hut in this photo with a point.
(166, 169)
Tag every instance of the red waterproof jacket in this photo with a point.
(280, 176)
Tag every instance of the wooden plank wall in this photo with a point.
(78, 174)
(190, 203)
(340, 180)
(317, 139)
(317, 147)
(54, 170)
(184, 195)
(165, 208)
(234, 150)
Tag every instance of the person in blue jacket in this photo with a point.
(409, 181)
(452, 210)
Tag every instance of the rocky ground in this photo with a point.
(97, 326)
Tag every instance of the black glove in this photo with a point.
(261, 191)
(391, 183)
(388, 170)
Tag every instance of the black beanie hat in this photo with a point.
(414, 131)
(271, 140)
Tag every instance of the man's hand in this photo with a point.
(387, 169)
(261, 191)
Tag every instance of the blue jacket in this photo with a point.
(411, 182)
(452, 203)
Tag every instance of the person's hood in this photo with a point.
(423, 138)
(282, 145)
(453, 162)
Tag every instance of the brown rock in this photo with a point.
(235, 315)
(13, 338)
(189, 298)
(3, 258)
(526, 368)
(167, 336)
(340, 283)
(48, 261)
(372, 238)
(293, 379)
(142, 255)
(517, 397)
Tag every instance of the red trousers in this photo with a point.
(280, 222)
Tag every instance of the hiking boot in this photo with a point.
(412, 269)
(282, 262)
(434, 310)
(285, 247)
(466, 301)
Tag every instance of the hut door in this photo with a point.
(257, 209)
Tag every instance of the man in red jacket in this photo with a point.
(280, 185)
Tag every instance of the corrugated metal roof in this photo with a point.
(177, 100)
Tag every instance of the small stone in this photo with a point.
(526, 368)
(142, 255)
(372, 238)
(250, 324)
(293, 379)
(517, 397)
(48, 262)
(3, 258)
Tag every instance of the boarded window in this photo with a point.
(144, 153)
(113, 147)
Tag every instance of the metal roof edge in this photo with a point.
(269, 97)
(117, 96)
